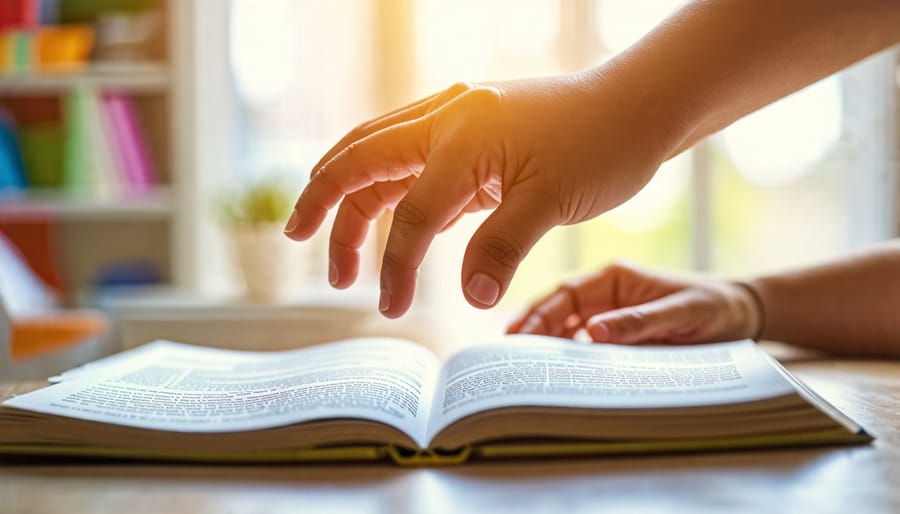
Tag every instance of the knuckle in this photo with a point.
(568, 291)
(619, 267)
(389, 260)
(397, 263)
(503, 249)
(445, 96)
(484, 96)
(634, 320)
(358, 132)
(351, 149)
(322, 177)
(460, 87)
(408, 214)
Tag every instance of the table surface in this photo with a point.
(839, 479)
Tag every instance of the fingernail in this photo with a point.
(483, 288)
(332, 273)
(292, 222)
(385, 302)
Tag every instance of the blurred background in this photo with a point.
(804, 179)
(133, 130)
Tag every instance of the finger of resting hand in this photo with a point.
(652, 321)
(549, 315)
(437, 196)
(573, 326)
(351, 225)
(515, 326)
(587, 295)
(391, 154)
(403, 114)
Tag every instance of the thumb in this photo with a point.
(669, 319)
(500, 244)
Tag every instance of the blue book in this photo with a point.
(12, 173)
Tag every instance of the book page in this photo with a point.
(542, 371)
(169, 386)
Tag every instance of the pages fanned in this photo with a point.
(379, 398)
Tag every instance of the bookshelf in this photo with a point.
(144, 78)
(89, 234)
(155, 205)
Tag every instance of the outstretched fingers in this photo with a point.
(409, 112)
(438, 196)
(351, 225)
(501, 243)
(391, 154)
(403, 114)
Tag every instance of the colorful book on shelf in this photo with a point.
(20, 14)
(78, 174)
(42, 147)
(27, 14)
(129, 141)
(12, 172)
(103, 155)
(391, 399)
(101, 152)
(106, 152)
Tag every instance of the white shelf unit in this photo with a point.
(138, 78)
(155, 205)
(90, 231)
(191, 86)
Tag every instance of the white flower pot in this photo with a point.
(266, 260)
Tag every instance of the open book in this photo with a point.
(379, 398)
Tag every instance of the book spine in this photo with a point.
(77, 175)
(117, 144)
(48, 12)
(12, 173)
(19, 14)
(132, 143)
(41, 146)
(106, 177)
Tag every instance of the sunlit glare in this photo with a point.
(779, 144)
(454, 41)
(652, 205)
(622, 22)
(261, 44)
(528, 26)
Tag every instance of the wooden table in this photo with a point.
(848, 479)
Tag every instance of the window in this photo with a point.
(804, 178)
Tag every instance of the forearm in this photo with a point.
(715, 61)
(849, 306)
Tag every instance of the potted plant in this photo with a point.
(254, 218)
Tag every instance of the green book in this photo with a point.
(75, 166)
(80, 169)
(22, 51)
(42, 154)
(381, 398)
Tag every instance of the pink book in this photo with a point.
(132, 145)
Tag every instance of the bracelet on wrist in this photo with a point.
(760, 308)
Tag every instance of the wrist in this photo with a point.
(649, 109)
(755, 308)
